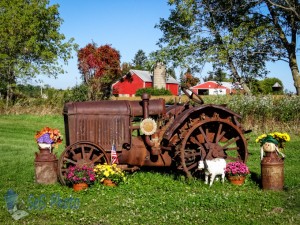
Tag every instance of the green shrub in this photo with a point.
(77, 94)
(153, 91)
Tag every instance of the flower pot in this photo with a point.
(237, 180)
(108, 182)
(80, 186)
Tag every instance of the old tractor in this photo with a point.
(149, 133)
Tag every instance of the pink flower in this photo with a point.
(80, 174)
(237, 168)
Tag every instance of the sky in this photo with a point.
(128, 26)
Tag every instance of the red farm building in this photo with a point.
(137, 79)
(215, 88)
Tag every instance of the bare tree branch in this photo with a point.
(290, 6)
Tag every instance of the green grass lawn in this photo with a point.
(149, 196)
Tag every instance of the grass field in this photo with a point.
(148, 197)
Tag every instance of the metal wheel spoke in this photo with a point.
(82, 152)
(88, 155)
(194, 140)
(210, 135)
(72, 151)
(192, 166)
(231, 141)
(231, 149)
(190, 154)
(70, 160)
(204, 135)
(180, 167)
(219, 134)
(97, 158)
(197, 154)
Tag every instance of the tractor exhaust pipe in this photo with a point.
(155, 148)
(145, 98)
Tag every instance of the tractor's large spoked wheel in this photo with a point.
(212, 138)
(80, 154)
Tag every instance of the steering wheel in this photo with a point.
(193, 96)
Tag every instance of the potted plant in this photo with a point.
(48, 137)
(272, 142)
(80, 177)
(236, 172)
(109, 175)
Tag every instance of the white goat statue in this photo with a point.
(213, 168)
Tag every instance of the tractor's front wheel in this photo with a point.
(80, 154)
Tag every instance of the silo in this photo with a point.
(159, 77)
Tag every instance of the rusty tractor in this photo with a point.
(149, 133)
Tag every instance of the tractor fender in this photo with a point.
(204, 110)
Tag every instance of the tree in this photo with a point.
(100, 68)
(171, 73)
(266, 86)
(225, 33)
(219, 76)
(188, 80)
(30, 41)
(254, 85)
(125, 67)
(290, 6)
(284, 16)
(30, 90)
(140, 60)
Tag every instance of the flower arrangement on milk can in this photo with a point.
(273, 142)
(47, 138)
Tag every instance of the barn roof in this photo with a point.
(146, 76)
(143, 74)
(210, 85)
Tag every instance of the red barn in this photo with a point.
(215, 88)
(137, 79)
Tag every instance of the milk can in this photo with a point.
(45, 167)
(272, 168)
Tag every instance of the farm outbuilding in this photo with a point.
(137, 79)
(215, 88)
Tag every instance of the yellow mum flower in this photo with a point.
(112, 172)
(280, 138)
(260, 138)
(106, 173)
(287, 137)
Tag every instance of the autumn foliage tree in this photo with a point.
(100, 67)
(188, 80)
